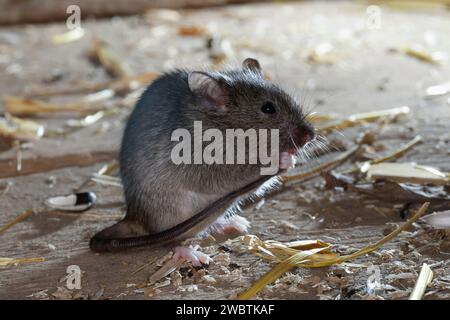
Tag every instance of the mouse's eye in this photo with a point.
(269, 108)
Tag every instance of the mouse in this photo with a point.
(168, 202)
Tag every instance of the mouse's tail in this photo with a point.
(122, 235)
(129, 234)
(99, 244)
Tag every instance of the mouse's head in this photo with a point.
(245, 99)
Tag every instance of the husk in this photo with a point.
(407, 173)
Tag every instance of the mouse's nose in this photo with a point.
(302, 135)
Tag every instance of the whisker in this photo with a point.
(339, 132)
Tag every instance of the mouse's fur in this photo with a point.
(161, 195)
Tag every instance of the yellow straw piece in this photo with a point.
(9, 261)
(16, 220)
(69, 36)
(425, 277)
(309, 254)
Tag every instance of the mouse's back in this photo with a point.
(147, 134)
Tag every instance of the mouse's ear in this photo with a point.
(252, 65)
(209, 88)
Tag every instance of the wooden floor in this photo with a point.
(364, 73)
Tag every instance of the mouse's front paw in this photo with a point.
(231, 225)
(287, 160)
(192, 255)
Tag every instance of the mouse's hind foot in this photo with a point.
(192, 255)
(234, 224)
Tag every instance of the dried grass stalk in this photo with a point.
(12, 128)
(27, 107)
(108, 168)
(392, 156)
(13, 261)
(398, 153)
(420, 53)
(169, 267)
(122, 85)
(107, 180)
(69, 36)
(315, 254)
(365, 117)
(109, 60)
(24, 215)
(424, 279)
(86, 121)
(296, 176)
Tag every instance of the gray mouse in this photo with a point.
(169, 202)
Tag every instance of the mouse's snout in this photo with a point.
(302, 135)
